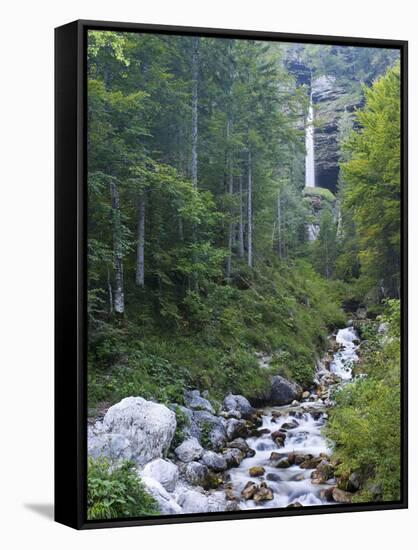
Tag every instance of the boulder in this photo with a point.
(354, 482)
(262, 431)
(164, 472)
(113, 446)
(242, 445)
(166, 502)
(238, 403)
(229, 492)
(310, 463)
(263, 493)
(283, 463)
(291, 425)
(233, 457)
(279, 437)
(275, 456)
(196, 473)
(295, 505)
(236, 428)
(340, 496)
(326, 494)
(189, 450)
(214, 461)
(209, 429)
(149, 427)
(256, 471)
(195, 401)
(194, 502)
(249, 490)
(283, 391)
(323, 472)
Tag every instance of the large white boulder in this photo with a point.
(166, 502)
(163, 471)
(149, 427)
(189, 450)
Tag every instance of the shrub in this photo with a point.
(116, 491)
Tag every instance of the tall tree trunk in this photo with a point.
(250, 212)
(194, 160)
(241, 220)
(119, 295)
(140, 262)
(279, 225)
(195, 97)
(110, 292)
(230, 192)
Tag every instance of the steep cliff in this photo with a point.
(332, 100)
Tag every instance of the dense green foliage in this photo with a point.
(115, 491)
(283, 309)
(365, 423)
(370, 192)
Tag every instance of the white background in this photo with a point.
(26, 289)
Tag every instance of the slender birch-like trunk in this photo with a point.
(110, 292)
(279, 224)
(195, 98)
(140, 262)
(241, 220)
(119, 295)
(230, 192)
(194, 156)
(250, 213)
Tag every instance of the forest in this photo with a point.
(243, 244)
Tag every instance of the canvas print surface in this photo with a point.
(243, 275)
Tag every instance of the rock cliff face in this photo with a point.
(332, 98)
(331, 101)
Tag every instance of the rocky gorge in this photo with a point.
(202, 457)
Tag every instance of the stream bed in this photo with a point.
(289, 482)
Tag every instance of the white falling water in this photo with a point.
(309, 142)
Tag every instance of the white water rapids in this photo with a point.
(294, 484)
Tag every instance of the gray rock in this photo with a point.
(242, 445)
(238, 403)
(189, 450)
(354, 482)
(213, 427)
(164, 472)
(283, 391)
(149, 427)
(233, 457)
(196, 473)
(214, 461)
(195, 401)
(112, 446)
(194, 502)
(236, 428)
(166, 502)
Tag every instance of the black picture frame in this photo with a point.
(70, 272)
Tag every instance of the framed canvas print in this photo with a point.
(230, 274)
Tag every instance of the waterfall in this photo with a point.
(309, 142)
